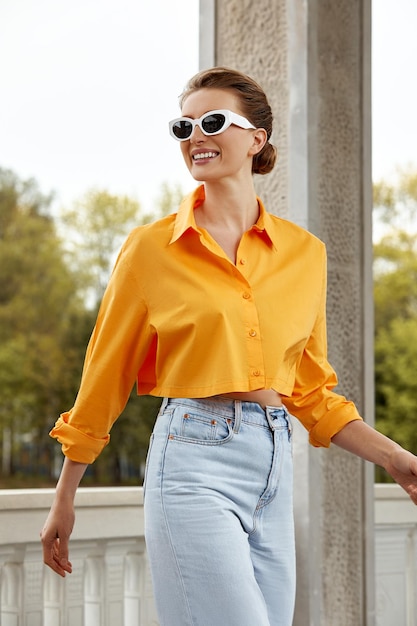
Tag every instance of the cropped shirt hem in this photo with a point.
(176, 391)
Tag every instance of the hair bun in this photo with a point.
(264, 162)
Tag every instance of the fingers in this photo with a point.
(403, 469)
(55, 554)
(55, 537)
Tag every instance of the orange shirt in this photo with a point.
(184, 321)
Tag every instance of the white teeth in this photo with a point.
(204, 155)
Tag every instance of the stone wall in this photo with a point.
(313, 60)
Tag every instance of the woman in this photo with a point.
(220, 310)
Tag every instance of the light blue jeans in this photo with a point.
(219, 514)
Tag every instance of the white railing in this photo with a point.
(395, 557)
(110, 583)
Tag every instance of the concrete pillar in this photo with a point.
(313, 59)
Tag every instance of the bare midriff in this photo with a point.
(264, 397)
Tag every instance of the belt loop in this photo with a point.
(163, 406)
(275, 424)
(238, 416)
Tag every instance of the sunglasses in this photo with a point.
(211, 123)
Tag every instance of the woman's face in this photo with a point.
(228, 154)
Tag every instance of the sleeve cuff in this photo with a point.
(321, 435)
(77, 445)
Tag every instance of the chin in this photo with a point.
(198, 176)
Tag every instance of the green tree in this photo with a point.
(46, 320)
(395, 297)
(37, 307)
(395, 371)
(17, 196)
(395, 203)
(94, 229)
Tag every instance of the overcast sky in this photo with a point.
(88, 87)
(394, 85)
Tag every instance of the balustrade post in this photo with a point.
(74, 585)
(53, 599)
(133, 574)
(32, 605)
(114, 595)
(11, 591)
(93, 591)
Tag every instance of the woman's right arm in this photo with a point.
(116, 350)
(60, 521)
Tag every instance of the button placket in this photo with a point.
(251, 322)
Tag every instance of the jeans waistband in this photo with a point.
(247, 412)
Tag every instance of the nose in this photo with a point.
(197, 135)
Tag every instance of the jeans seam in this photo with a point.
(165, 517)
(279, 449)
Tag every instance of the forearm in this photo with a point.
(69, 480)
(60, 521)
(364, 441)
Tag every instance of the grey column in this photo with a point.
(313, 59)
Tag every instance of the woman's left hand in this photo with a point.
(402, 466)
(366, 442)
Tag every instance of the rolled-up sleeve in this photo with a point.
(77, 445)
(114, 354)
(322, 411)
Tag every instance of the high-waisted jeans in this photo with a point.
(219, 514)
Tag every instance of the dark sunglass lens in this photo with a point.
(182, 129)
(213, 123)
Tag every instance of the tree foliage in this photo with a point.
(37, 307)
(395, 296)
(94, 229)
(395, 202)
(52, 276)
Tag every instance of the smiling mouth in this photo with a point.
(204, 155)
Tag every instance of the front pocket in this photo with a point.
(200, 427)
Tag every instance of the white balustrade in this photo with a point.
(395, 557)
(110, 584)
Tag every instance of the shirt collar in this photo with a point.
(185, 220)
(264, 226)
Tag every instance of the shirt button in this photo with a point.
(256, 373)
(242, 261)
(252, 333)
(246, 295)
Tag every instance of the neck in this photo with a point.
(230, 208)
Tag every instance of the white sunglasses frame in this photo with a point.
(229, 119)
